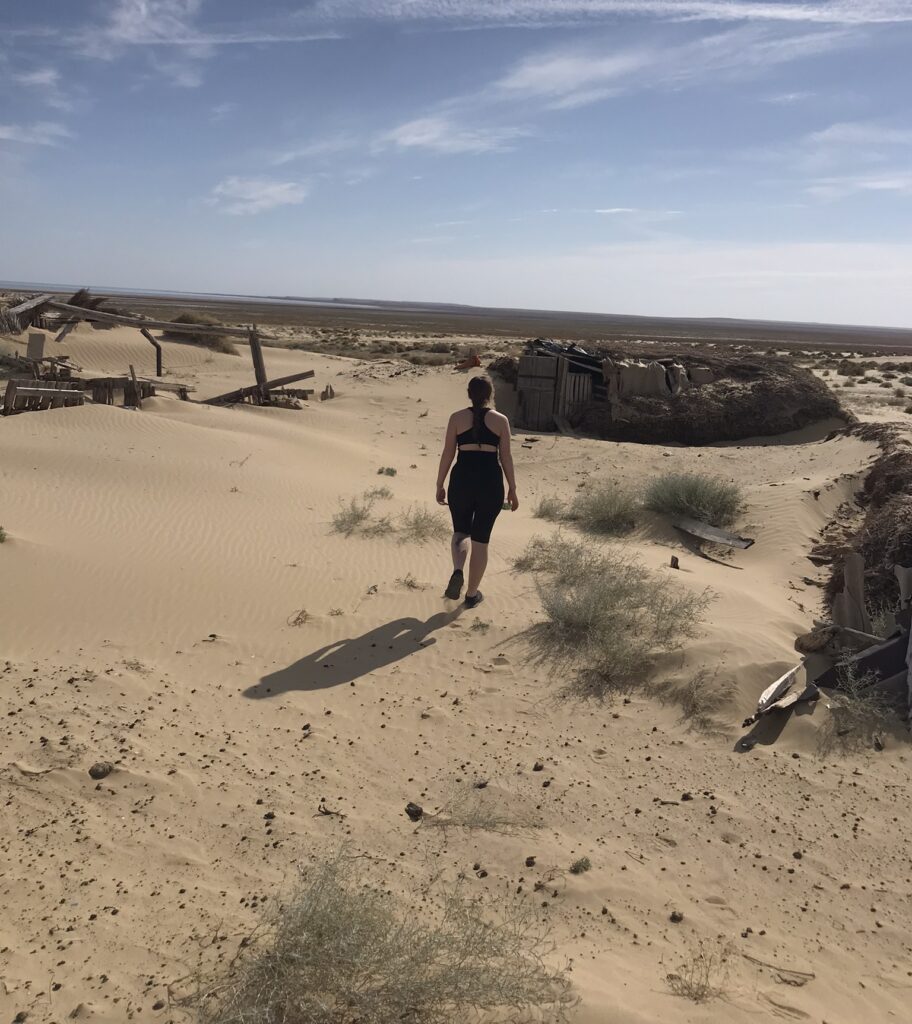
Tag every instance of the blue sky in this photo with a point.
(661, 157)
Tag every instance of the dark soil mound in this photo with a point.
(750, 398)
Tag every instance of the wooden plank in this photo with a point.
(137, 394)
(64, 331)
(711, 533)
(849, 606)
(158, 349)
(35, 349)
(241, 393)
(25, 311)
(97, 315)
(561, 384)
(256, 354)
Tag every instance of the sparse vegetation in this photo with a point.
(351, 516)
(340, 952)
(607, 616)
(378, 494)
(605, 508)
(419, 525)
(409, 582)
(2, 535)
(298, 618)
(481, 810)
(580, 866)
(336, 611)
(215, 342)
(386, 471)
(860, 714)
(701, 977)
(702, 696)
(707, 498)
(480, 626)
(550, 507)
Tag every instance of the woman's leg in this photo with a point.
(460, 548)
(477, 565)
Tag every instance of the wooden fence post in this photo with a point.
(158, 350)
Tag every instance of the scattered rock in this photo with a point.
(676, 917)
(530, 862)
(101, 770)
(414, 811)
(538, 767)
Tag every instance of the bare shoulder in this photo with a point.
(501, 422)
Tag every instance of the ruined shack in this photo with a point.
(691, 397)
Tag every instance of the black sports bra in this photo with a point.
(485, 436)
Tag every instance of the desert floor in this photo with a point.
(156, 565)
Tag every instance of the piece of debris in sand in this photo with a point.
(711, 533)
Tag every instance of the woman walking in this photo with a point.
(476, 492)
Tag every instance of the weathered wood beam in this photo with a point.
(256, 354)
(241, 393)
(21, 313)
(100, 316)
(158, 350)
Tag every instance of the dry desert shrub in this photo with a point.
(483, 811)
(701, 977)
(860, 713)
(607, 616)
(215, 342)
(352, 516)
(698, 495)
(604, 508)
(550, 507)
(419, 525)
(2, 535)
(340, 952)
(703, 696)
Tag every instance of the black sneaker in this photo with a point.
(473, 602)
(454, 587)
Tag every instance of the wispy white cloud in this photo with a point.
(572, 77)
(177, 44)
(222, 111)
(862, 133)
(895, 182)
(40, 133)
(533, 12)
(318, 148)
(441, 134)
(612, 210)
(788, 98)
(45, 81)
(255, 195)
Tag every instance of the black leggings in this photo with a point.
(476, 494)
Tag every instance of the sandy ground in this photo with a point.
(155, 564)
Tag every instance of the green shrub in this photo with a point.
(579, 867)
(697, 495)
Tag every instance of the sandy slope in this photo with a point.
(153, 565)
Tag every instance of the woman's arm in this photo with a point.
(446, 460)
(506, 460)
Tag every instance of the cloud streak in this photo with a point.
(41, 133)
(576, 77)
(440, 134)
(535, 12)
(240, 196)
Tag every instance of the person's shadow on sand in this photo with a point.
(347, 660)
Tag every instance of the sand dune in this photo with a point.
(154, 564)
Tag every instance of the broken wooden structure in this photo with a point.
(555, 381)
(29, 395)
(135, 389)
